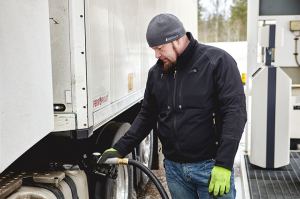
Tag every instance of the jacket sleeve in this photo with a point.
(143, 123)
(231, 109)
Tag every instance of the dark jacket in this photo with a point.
(199, 107)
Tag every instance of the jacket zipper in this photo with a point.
(174, 108)
(174, 93)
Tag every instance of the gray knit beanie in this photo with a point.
(164, 28)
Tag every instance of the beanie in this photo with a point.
(164, 28)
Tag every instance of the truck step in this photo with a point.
(9, 184)
(278, 183)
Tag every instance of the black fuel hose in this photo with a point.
(143, 168)
(153, 178)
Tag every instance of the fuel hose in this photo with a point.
(143, 168)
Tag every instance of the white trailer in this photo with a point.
(72, 78)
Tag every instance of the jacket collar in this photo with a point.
(185, 57)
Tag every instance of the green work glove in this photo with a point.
(220, 181)
(109, 153)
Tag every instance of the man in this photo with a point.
(195, 95)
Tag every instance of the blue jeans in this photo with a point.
(190, 180)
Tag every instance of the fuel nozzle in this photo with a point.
(109, 169)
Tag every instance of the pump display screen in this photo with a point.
(279, 7)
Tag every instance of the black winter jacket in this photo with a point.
(199, 106)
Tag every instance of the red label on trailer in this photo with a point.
(99, 101)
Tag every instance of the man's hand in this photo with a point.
(109, 153)
(220, 181)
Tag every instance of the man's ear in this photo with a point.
(176, 43)
(176, 46)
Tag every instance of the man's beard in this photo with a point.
(167, 66)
